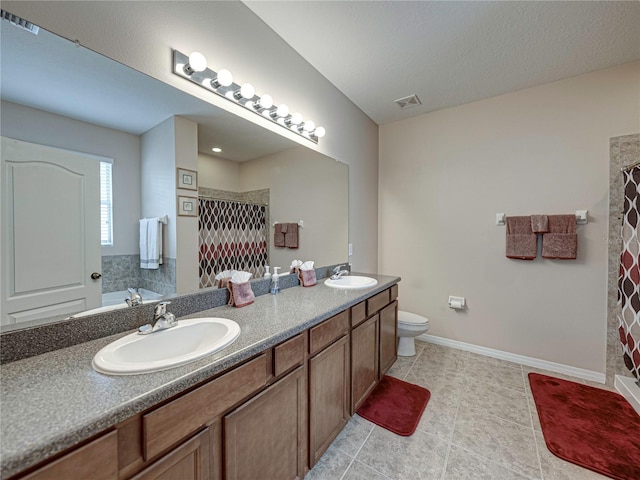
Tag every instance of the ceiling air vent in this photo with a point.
(408, 102)
(19, 22)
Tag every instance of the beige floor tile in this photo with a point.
(353, 435)
(464, 465)
(331, 465)
(360, 471)
(401, 367)
(439, 417)
(496, 439)
(418, 457)
(555, 468)
(507, 403)
(483, 359)
(495, 374)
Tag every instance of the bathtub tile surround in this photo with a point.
(623, 150)
(458, 438)
(120, 272)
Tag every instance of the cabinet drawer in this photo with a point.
(394, 292)
(358, 314)
(328, 331)
(182, 417)
(376, 302)
(288, 354)
(97, 460)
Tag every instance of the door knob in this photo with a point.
(95, 275)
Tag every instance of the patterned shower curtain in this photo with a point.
(629, 278)
(233, 235)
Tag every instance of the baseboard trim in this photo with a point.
(521, 359)
(629, 389)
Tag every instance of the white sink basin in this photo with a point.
(188, 341)
(351, 282)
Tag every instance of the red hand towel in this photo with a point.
(561, 242)
(522, 243)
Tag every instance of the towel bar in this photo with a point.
(300, 223)
(582, 218)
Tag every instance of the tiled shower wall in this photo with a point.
(120, 272)
(623, 151)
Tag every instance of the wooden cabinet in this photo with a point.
(190, 461)
(266, 436)
(97, 460)
(364, 361)
(328, 396)
(270, 417)
(388, 337)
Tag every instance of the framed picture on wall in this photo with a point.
(187, 206)
(187, 179)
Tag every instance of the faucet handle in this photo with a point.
(161, 309)
(338, 268)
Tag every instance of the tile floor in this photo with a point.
(480, 423)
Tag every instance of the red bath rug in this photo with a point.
(395, 405)
(588, 426)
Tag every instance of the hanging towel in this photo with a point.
(522, 243)
(279, 234)
(291, 236)
(150, 243)
(539, 223)
(561, 242)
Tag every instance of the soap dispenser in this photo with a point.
(267, 274)
(275, 281)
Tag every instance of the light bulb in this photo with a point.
(282, 110)
(223, 79)
(320, 132)
(296, 118)
(265, 102)
(197, 63)
(246, 91)
(216, 149)
(309, 125)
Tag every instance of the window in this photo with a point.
(106, 207)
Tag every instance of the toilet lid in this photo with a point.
(408, 317)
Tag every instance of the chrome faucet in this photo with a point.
(161, 320)
(134, 297)
(337, 273)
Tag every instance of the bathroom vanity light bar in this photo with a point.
(194, 68)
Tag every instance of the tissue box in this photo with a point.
(307, 277)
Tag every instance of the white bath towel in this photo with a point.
(150, 243)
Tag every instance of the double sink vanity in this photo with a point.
(280, 380)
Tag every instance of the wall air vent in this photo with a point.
(408, 102)
(19, 22)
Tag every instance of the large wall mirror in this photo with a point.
(63, 97)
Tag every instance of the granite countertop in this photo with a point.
(53, 401)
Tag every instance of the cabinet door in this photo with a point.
(388, 337)
(266, 437)
(328, 396)
(97, 460)
(364, 361)
(189, 461)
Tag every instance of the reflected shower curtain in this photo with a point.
(629, 278)
(233, 235)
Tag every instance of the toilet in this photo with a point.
(410, 325)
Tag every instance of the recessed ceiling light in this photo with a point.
(216, 149)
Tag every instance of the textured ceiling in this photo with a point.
(450, 53)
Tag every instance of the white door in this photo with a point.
(50, 238)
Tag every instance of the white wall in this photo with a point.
(305, 186)
(142, 34)
(165, 147)
(444, 176)
(44, 128)
(218, 173)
